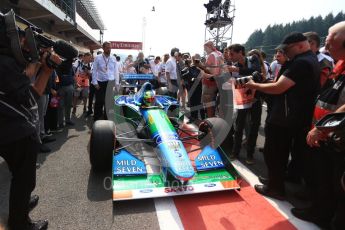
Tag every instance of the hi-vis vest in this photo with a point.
(82, 79)
(330, 95)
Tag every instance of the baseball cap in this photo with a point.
(290, 39)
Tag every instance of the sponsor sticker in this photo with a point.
(179, 189)
(148, 190)
(210, 185)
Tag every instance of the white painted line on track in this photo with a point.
(283, 207)
(168, 217)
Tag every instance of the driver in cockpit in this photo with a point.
(148, 98)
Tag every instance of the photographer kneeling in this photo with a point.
(19, 139)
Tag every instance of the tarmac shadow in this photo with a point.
(99, 186)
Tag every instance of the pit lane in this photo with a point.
(72, 197)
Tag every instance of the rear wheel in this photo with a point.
(102, 142)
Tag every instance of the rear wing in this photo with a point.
(134, 80)
(130, 76)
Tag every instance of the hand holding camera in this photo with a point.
(249, 81)
(50, 59)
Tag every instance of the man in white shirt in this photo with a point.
(162, 80)
(119, 70)
(78, 62)
(104, 70)
(171, 74)
(155, 65)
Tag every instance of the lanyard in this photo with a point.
(106, 62)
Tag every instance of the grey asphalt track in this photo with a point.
(71, 196)
(74, 198)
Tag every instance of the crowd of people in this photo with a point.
(299, 87)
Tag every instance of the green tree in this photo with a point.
(268, 39)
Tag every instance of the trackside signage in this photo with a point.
(127, 45)
(126, 164)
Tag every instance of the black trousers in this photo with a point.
(91, 96)
(175, 87)
(21, 158)
(100, 100)
(240, 120)
(196, 106)
(278, 140)
(328, 199)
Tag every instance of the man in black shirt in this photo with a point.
(291, 113)
(19, 136)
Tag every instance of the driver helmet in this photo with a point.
(149, 98)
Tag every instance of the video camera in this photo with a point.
(34, 42)
(256, 77)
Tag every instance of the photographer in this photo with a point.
(19, 139)
(142, 64)
(245, 102)
(65, 92)
(291, 111)
(191, 76)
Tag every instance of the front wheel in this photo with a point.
(102, 142)
(215, 131)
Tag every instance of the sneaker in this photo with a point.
(38, 225)
(48, 139)
(250, 161)
(70, 123)
(33, 202)
(48, 134)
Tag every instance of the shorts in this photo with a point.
(209, 93)
(81, 92)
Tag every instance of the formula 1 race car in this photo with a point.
(153, 153)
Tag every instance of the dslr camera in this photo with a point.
(86, 67)
(256, 77)
(189, 75)
(35, 41)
